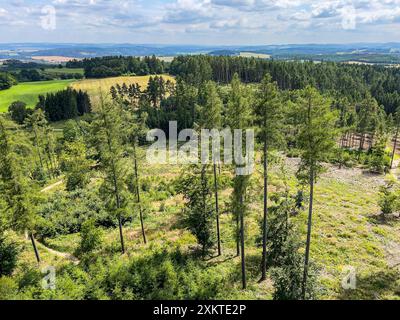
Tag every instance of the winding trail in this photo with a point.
(52, 186)
(64, 255)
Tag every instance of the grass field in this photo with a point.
(28, 92)
(93, 86)
(65, 70)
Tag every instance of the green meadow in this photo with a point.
(28, 92)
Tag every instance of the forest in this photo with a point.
(117, 66)
(81, 196)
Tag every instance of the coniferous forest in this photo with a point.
(78, 193)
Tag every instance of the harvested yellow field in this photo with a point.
(94, 86)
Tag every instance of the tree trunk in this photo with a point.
(38, 149)
(115, 182)
(217, 210)
(237, 234)
(308, 244)
(34, 247)
(394, 147)
(244, 282)
(138, 195)
(121, 235)
(264, 254)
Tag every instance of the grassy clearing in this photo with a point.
(94, 86)
(347, 231)
(28, 92)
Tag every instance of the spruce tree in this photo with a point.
(316, 139)
(19, 193)
(239, 116)
(107, 134)
(210, 111)
(269, 118)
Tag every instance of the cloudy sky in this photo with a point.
(200, 21)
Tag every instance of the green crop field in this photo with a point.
(28, 92)
(65, 70)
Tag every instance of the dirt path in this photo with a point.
(64, 255)
(52, 186)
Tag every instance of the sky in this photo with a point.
(202, 22)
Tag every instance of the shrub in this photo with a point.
(64, 213)
(90, 237)
(8, 257)
(8, 288)
(288, 276)
(388, 200)
(18, 111)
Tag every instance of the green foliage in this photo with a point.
(91, 237)
(65, 104)
(18, 111)
(76, 165)
(160, 274)
(108, 137)
(19, 194)
(378, 159)
(6, 81)
(389, 200)
(8, 256)
(269, 113)
(278, 228)
(209, 107)
(199, 211)
(44, 142)
(316, 123)
(288, 277)
(238, 112)
(8, 288)
(117, 66)
(65, 212)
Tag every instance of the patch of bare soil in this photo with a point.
(345, 175)
(392, 250)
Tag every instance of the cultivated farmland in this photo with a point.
(28, 92)
(93, 86)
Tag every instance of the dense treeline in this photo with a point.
(66, 104)
(33, 72)
(116, 66)
(6, 81)
(351, 81)
(107, 187)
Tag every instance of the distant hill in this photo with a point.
(386, 53)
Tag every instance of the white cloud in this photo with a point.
(216, 21)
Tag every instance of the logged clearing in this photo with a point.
(28, 92)
(94, 86)
(54, 59)
(347, 232)
(255, 55)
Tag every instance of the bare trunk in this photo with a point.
(217, 210)
(138, 195)
(34, 247)
(237, 235)
(244, 282)
(309, 227)
(264, 254)
(394, 147)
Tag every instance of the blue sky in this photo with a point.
(206, 22)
